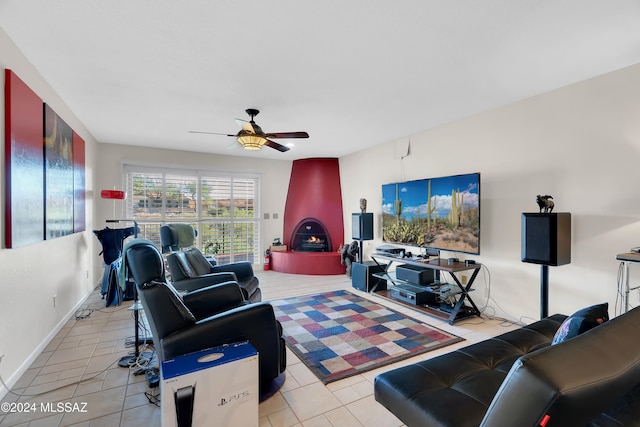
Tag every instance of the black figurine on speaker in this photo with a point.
(545, 203)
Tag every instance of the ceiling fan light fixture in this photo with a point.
(252, 137)
(252, 142)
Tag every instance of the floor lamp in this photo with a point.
(546, 240)
(131, 360)
(128, 361)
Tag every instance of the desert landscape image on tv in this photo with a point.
(441, 213)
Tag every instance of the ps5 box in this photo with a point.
(217, 386)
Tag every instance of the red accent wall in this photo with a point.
(315, 192)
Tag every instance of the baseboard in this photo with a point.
(13, 379)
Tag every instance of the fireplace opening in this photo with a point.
(310, 235)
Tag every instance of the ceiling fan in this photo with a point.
(252, 137)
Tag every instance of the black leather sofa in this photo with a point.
(518, 379)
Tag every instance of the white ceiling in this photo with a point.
(352, 73)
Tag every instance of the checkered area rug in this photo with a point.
(339, 334)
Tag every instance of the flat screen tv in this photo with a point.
(438, 213)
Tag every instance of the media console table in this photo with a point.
(452, 304)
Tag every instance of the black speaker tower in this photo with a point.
(361, 229)
(362, 226)
(546, 240)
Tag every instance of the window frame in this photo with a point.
(200, 221)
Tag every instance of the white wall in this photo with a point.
(32, 275)
(275, 178)
(580, 144)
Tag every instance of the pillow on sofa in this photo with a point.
(581, 321)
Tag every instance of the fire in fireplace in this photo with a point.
(310, 235)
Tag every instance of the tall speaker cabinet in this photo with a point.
(362, 226)
(546, 240)
(361, 229)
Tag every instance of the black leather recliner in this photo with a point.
(205, 318)
(190, 263)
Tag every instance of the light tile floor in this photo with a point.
(88, 349)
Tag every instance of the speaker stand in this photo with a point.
(544, 291)
(131, 360)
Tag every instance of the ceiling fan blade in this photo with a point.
(246, 126)
(287, 135)
(211, 133)
(277, 146)
(234, 145)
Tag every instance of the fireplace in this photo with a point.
(313, 220)
(310, 235)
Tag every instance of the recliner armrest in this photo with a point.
(193, 283)
(255, 323)
(242, 269)
(206, 302)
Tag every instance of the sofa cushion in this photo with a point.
(581, 321)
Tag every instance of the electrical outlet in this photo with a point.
(54, 300)
(463, 279)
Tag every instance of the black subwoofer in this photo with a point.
(546, 238)
(362, 276)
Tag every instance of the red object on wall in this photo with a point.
(24, 164)
(40, 148)
(113, 194)
(314, 192)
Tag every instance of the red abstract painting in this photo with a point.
(24, 157)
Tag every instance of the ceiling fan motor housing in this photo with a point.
(252, 112)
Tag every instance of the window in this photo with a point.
(223, 207)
